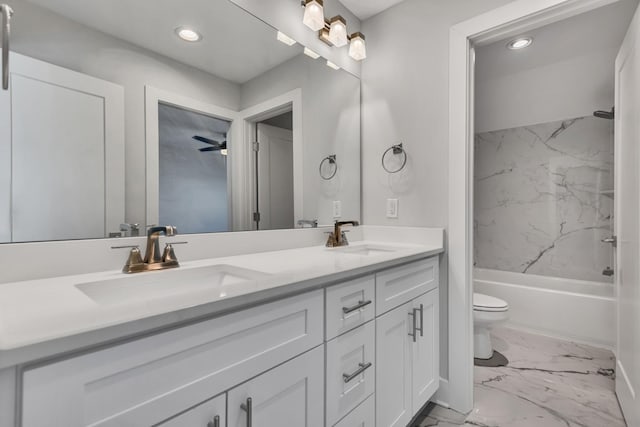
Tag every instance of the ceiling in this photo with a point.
(600, 29)
(365, 9)
(235, 46)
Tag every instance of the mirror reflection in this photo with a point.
(194, 114)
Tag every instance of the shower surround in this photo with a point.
(544, 199)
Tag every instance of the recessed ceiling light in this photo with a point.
(520, 43)
(188, 34)
(311, 53)
(282, 37)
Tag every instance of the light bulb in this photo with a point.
(357, 48)
(338, 31)
(313, 15)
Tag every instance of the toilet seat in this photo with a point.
(482, 302)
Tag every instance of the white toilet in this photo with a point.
(487, 312)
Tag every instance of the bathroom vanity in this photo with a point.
(310, 336)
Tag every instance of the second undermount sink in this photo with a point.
(366, 250)
(152, 285)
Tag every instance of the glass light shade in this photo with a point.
(314, 15)
(338, 32)
(357, 48)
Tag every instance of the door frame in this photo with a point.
(289, 101)
(509, 20)
(154, 96)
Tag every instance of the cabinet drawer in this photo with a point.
(398, 285)
(350, 370)
(212, 413)
(146, 381)
(350, 305)
(363, 416)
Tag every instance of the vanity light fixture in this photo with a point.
(310, 53)
(188, 34)
(332, 65)
(313, 14)
(282, 37)
(520, 43)
(357, 46)
(338, 31)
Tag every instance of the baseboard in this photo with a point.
(442, 395)
(557, 336)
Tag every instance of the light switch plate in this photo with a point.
(337, 208)
(392, 208)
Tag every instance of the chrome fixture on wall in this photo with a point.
(396, 150)
(333, 31)
(609, 115)
(7, 13)
(332, 165)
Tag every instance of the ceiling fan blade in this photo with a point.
(206, 140)
(204, 150)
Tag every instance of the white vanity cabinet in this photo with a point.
(360, 353)
(407, 344)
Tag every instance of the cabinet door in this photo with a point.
(393, 367)
(289, 395)
(211, 413)
(425, 351)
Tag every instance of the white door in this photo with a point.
(393, 367)
(289, 395)
(627, 226)
(61, 154)
(426, 352)
(275, 177)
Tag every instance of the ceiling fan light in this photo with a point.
(357, 47)
(224, 152)
(313, 14)
(338, 31)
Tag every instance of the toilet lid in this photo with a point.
(484, 302)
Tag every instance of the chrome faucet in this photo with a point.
(313, 223)
(153, 260)
(338, 237)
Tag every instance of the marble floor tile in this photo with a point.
(548, 383)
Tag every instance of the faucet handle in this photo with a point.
(169, 254)
(135, 257)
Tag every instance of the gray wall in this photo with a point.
(331, 125)
(405, 98)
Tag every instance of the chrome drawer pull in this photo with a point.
(248, 408)
(414, 327)
(362, 367)
(215, 422)
(421, 328)
(347, 310)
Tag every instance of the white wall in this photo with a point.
(331, 125)
(52, 38)
(286, 15)
(405, 98)
(575, 87)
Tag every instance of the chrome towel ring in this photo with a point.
(333, 167)
(395, 150)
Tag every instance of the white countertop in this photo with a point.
(40, 318)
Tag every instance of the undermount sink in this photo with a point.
(152, 285)
(366, 250)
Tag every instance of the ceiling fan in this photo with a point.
(215, 145)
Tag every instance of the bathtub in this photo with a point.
(576, 310)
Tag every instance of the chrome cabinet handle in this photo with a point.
(414, 327)
(248, 408)
(347, 310)
(215, 422)
(7, 12)
(421, 328)
(362, 367)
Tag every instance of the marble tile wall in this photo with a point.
(544, 200)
